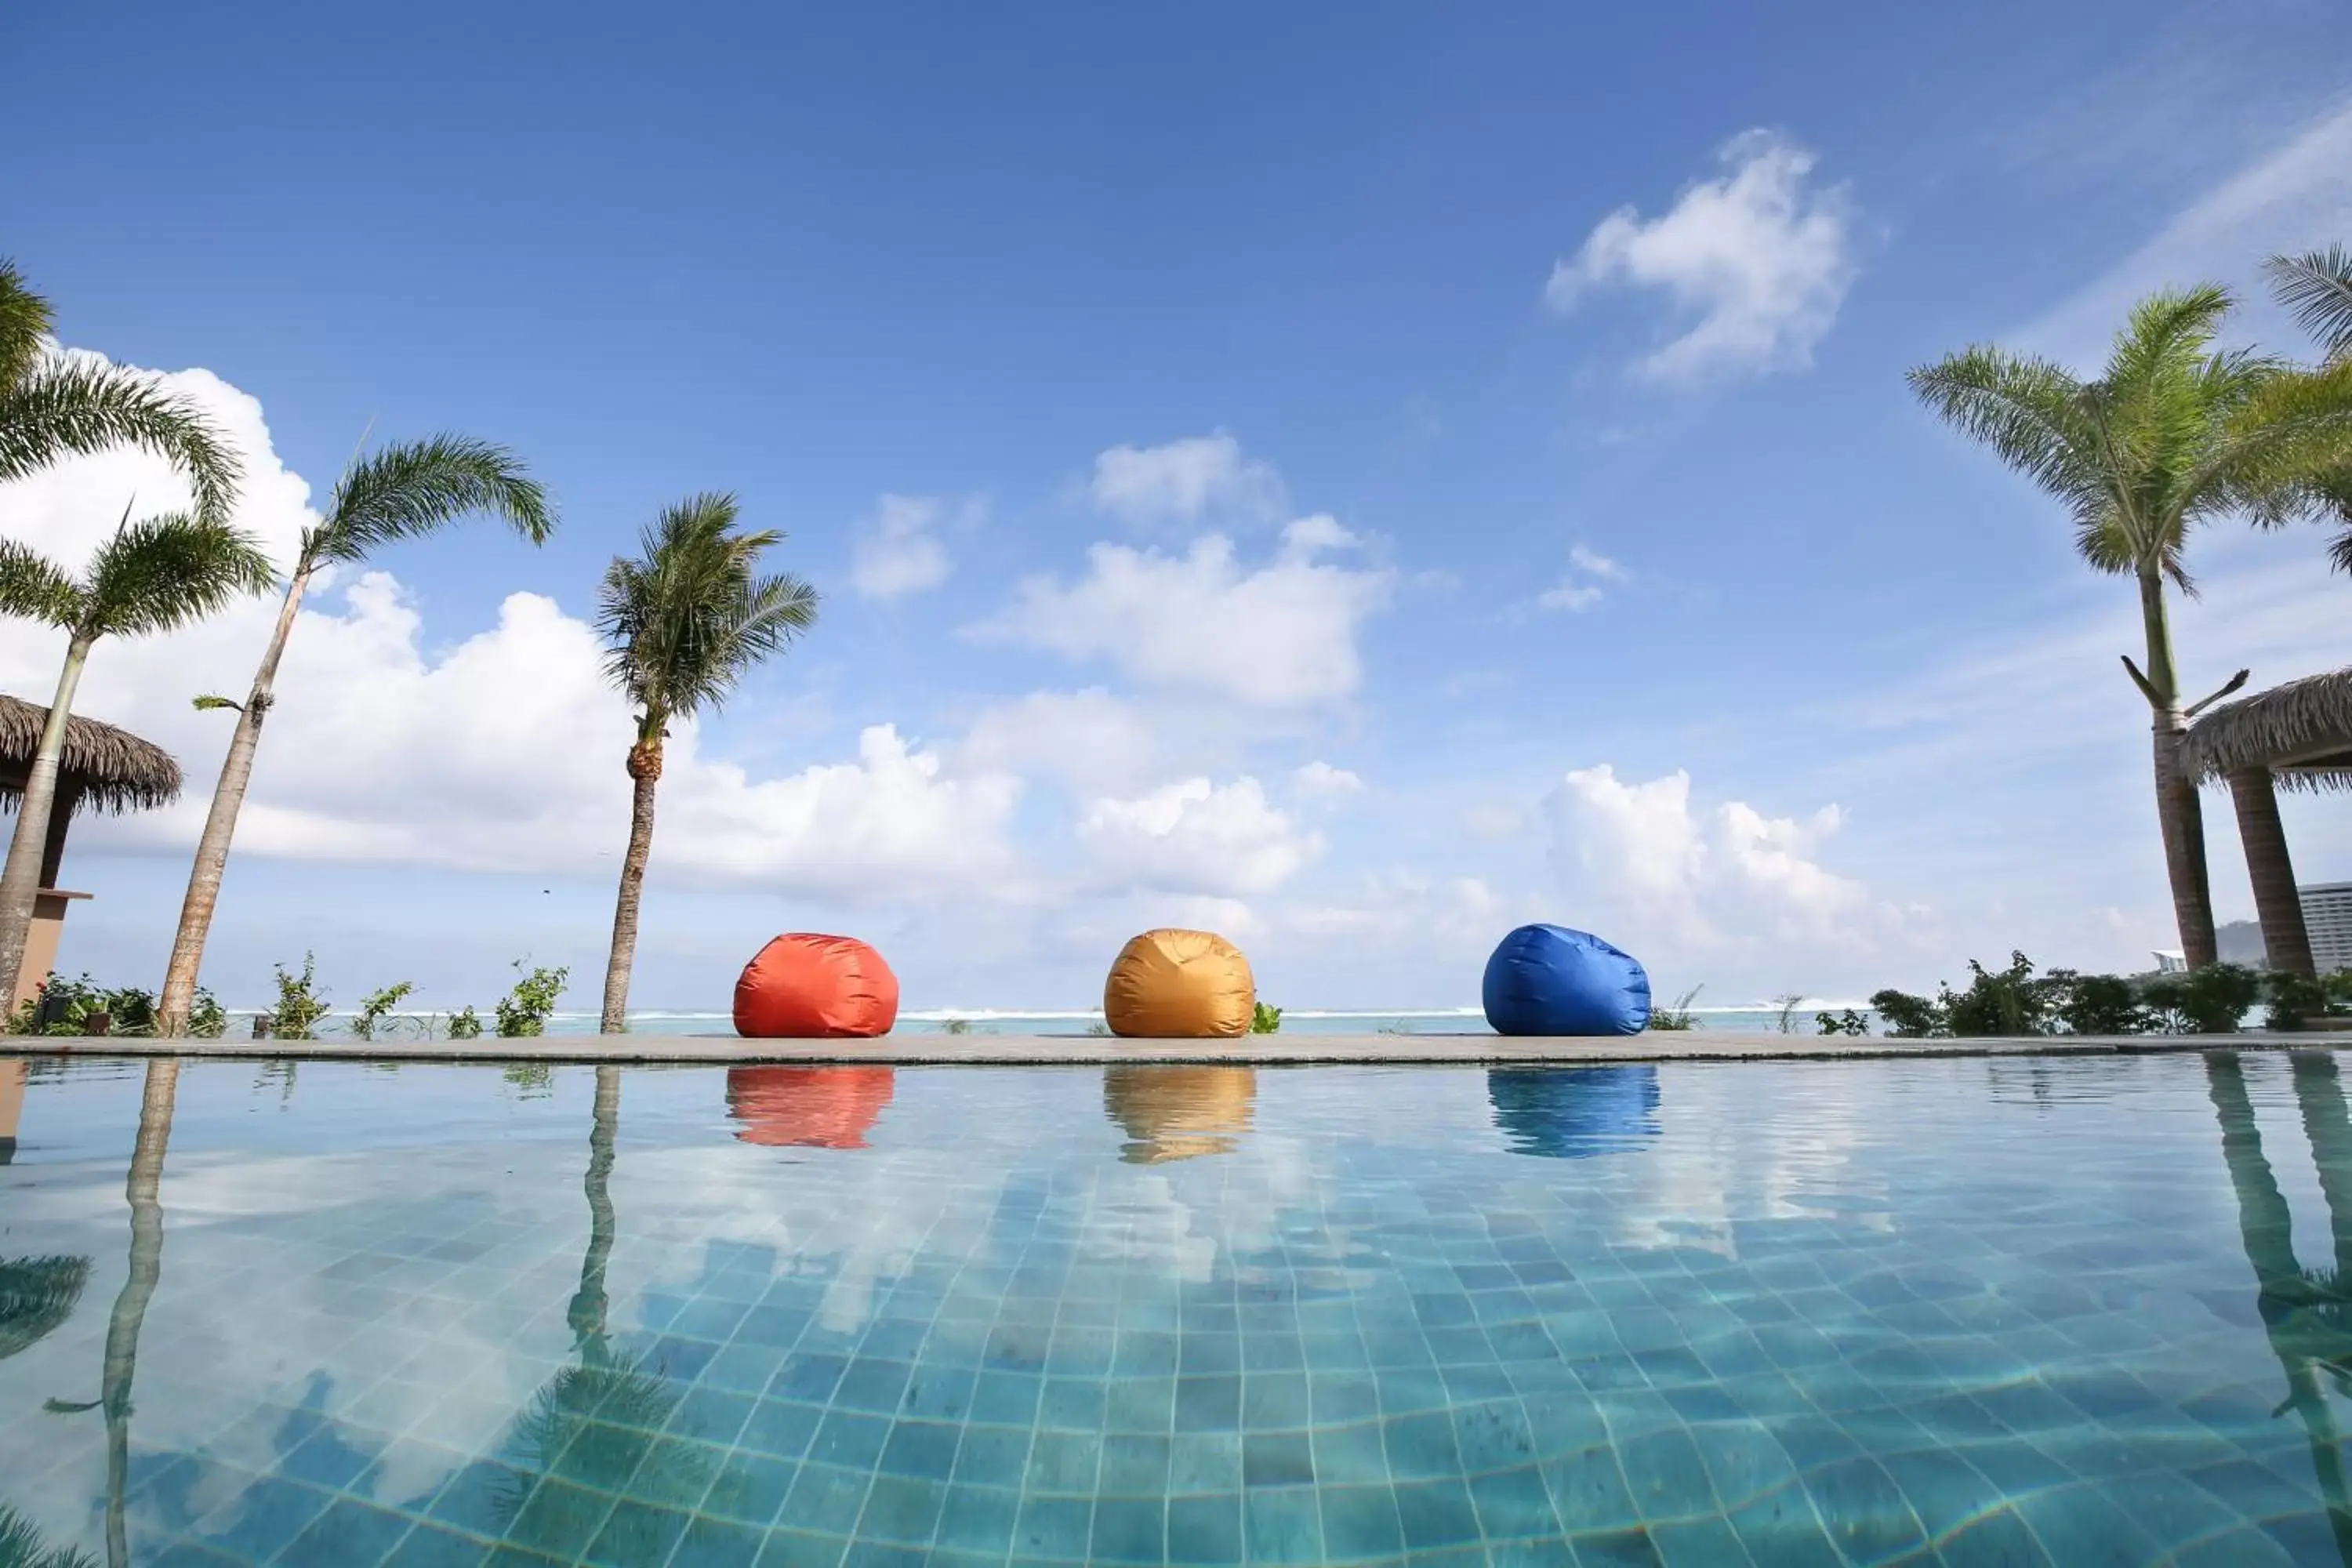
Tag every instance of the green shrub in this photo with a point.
(375, 1009)
(2208, 1001)
(2295, 1000)
(207, 1019)
(1909, 1018)
(1847, 1022)
(463, 1025)
(1264, 1020)
(524, 1011)
(2102, 1004)
(300, 1005)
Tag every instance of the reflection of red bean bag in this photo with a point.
(824, 1108)
(803, 985)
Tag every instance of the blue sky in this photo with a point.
(1252, 464)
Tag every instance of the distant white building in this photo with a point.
(2327, 916)
(2170, 960)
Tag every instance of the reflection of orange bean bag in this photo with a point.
(1179, 985)
(824, 1108)
(1175, 1113)
(803, 985)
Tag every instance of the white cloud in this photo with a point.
(1568, 594)
(1319, 780)
(1592, 562)
(1493, 821)
(501, 752)
(2297, 197)
(897, 550)
(1184, 481)
(1762, 256)
(1579, 588)
(1638, 854)
(1281, 637)
(1195, 836)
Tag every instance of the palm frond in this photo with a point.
(2029, 410)
(416, 487)
(36, 1295)
(21, 1545)
(35, 588)
(63, 406)
(26, 323)
(2317, 287)
(162, 572)
(2167, 333)
(685, 621)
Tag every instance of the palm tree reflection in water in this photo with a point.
(143, 1189)
(595, 1428)
(2307, 1313)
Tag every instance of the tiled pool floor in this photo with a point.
(1986, 1311)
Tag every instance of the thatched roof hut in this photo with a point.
(105, 768)
(2301, 731)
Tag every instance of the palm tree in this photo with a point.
(54, 405)
(2174, 433)
(682, 624)
(394, 493)
(2317, 287)
(152, 577)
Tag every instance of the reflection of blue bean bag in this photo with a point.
(1550, 980)
(1569, 1113)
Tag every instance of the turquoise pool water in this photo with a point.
(1972, 1312)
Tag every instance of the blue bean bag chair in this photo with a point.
(1573, 1113)
(1550, 980)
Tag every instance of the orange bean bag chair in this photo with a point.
(820, 1107)
(1176, 1112)
(1179, 985)
(806, 986)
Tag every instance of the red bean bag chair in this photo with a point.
(805, 986)
(820, 1107)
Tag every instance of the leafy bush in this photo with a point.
(207, 1019)
(1909, 1018)
(2103, 1005)
(1264, 1020)
(300, 1005)
(524, 1010)
(2208, 1001)
(463, 1025)
(1848, 1022)
(377, 1007)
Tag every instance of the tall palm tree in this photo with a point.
(2174, 434)
(682, 624)
(54, 405)
(394, 493)
(152, 575)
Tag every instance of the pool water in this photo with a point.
(2067, 1311)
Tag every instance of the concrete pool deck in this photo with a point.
(1094, 1050)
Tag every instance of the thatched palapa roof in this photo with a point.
(105, 769)
(2301, 731)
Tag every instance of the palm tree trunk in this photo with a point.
(2285, 943)
(645, 769)
(220, 824)
(2319, 1090)
(2179, 812)
(144, 1190)
(588, 1308)
(20, 882)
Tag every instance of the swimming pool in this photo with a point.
(2015, 1310)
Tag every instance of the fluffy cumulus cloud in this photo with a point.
(1760, 256)
(500, 752)
(1282, 636)
(1196, 837)
(898, 551)
(1319, 781)
(1184, 481)
(1642, 854)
